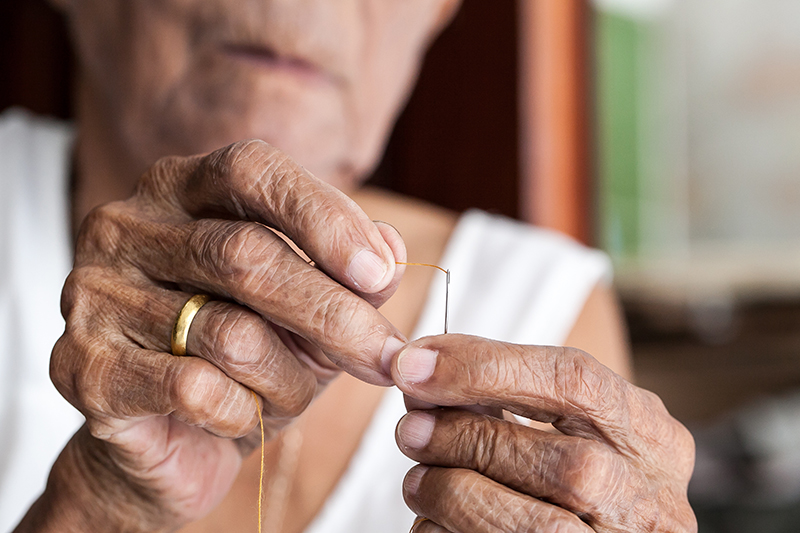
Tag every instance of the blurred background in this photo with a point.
(666, 132)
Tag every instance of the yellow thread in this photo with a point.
(261, 475)
(420, 265)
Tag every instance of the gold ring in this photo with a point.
(416, 523)
(180, 331)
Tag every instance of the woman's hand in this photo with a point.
(620, 463)
(164, 435)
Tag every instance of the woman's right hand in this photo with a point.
(165, 435)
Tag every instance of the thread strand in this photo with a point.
(261, 475)
(421, 265)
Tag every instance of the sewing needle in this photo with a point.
(446, 288)
(446, 300)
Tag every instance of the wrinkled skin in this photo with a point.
(320, 82)
(174, 429)
(619, 462)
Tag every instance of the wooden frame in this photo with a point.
(555, 120)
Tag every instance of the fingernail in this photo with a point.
(367, 270)
(390, 349)
(416, 365)
(415, 429)
(413, 479)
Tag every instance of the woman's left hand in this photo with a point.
(620, 463)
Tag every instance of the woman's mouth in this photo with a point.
(268, 59)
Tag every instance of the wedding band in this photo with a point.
(416, 523)
(180, 331)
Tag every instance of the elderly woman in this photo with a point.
(291, 269)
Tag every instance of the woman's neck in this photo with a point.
(102, 170)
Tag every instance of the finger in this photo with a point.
(234, 339)
(240, 343)
(576, 474)
(114, 382)
(89, 373)
(252, 180)
(413, 404)
(464, 500)
(562, 386)
(249, 264)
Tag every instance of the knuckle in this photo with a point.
(61, 367)
(252, 162)
(74, 293)
(242, 153)
(676, 444)
(88, 378)
(88, 294)
(158, 182)
(480, 443)
(259, 172)
(241, 247)
(240, 342)
(246, 167)
(80, 362)
(652, 407)
(201, 394)
(79, 288)
(244, 346)
(103, 231)
(159, 186)
(652, 403)
(501, 367)
(343, 325)
(497, 371)
(334, 314)
(459, 485)
(205, 244)
(160, 171)
(580, 379)
(241, 253)
(685, 447)
(194, 389)
(589, 473)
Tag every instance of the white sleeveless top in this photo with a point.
(509, 282)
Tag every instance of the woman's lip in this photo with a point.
(268, 59)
